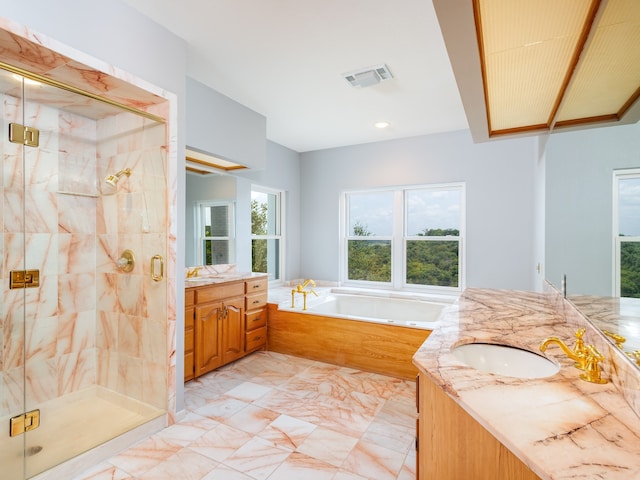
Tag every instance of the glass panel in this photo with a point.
(630, 269)
(433, 212)
(629, 206)
(264, 214)
(432, 262)
(12, 322)
(371, 214)
(216, 252)
(266, 257)
(369, 260)
(217, 221)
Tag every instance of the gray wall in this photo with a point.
(117, 34)
(501, 199)
(579, 196)
(222, 127)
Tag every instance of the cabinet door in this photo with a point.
(208, 344)
(233, 330)
(189, 339)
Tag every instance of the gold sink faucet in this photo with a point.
(193, 272)
(300, 288)
(587, 358)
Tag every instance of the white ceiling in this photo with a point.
(285, 58)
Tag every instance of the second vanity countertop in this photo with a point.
(559, 426)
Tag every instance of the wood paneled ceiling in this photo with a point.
(527, 67)
(549, 64)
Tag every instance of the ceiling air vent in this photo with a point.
(366, 77)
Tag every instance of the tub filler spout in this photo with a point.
(300, 288)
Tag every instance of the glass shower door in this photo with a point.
(13, 301)
(83, 341)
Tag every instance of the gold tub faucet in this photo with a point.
(300, 288)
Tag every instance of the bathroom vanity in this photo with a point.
(477, 424)
(225, 319)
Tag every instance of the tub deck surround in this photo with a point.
(559, 426)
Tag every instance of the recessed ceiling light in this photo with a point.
(381, 125)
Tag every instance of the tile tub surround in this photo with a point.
(560, 426)
(278, 417)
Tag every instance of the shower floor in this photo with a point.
(69, 426)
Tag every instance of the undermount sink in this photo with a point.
(505, 360)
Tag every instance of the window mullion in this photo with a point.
(397, 243)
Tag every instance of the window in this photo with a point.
(626, 233)
(267, 244)
(405, 237)
(216, 237)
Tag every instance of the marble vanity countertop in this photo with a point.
(216, 278)
(560, 426)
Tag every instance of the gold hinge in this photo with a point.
(24, 135)
(24, 279)
(24, 423)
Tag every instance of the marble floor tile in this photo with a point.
(271, 416)
(258, 458)
(298, 465)
(374, 461)
(287, 432)
(328, 445)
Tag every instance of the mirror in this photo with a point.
(210, 206)
(579, 206)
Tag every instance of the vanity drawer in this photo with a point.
(255, 339)
(254, 302)
(218, 292)
(257, 285)
(255, 319)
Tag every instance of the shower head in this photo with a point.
(113, 179)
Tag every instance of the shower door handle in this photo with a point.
(155, 260)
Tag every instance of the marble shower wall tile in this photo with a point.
(132, 216)
(74, 236)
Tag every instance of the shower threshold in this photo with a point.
(74, 424)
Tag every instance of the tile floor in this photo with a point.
(277, 417)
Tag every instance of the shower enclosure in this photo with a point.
(83, 312)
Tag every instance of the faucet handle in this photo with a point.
(635, 355)
(592, 366)
(619, 339)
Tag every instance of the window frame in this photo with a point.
(615, 231)
(200, 212)
(399, 239)
(279, 228)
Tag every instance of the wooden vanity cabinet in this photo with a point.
(223, 323)
(189, 335)
(256, 314)
(453, 445)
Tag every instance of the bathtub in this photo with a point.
(409, 312)
(373, 333)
